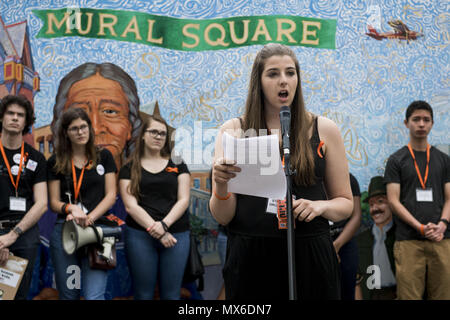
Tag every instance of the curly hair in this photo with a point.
(24, 103)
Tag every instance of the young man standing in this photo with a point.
(418, 189)
(23, 185)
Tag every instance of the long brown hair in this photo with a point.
(63, 145)
(138, 152)
(301, 120)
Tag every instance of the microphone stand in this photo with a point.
(290, 222)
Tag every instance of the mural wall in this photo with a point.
(364, 84)
(374, 58)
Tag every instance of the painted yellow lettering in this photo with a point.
(285, 32)
(150, 38)
(107, 25)
(132, 27)
(313, 33)
(186, 33)
(234, 38)
(261, 30)
(51, 18)
(89, 22)
(220, 39)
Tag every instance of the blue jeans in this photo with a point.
(150, 262)
(72, 272)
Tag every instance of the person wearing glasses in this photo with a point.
(82, 187)
(155, 191)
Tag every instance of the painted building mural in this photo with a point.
(362, 63)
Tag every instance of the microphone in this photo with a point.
(285, 119)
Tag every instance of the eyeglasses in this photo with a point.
(81, 128)
(155, 133)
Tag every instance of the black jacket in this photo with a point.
(365, 242)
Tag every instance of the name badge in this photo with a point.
(271, 206)
(17, 204)
(31, 165)
(82, 207)
(424, 195)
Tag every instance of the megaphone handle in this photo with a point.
(99, 240)
(107, 248)
(106, 254)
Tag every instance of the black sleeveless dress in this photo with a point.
(256, 265)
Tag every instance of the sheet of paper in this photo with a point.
(261, 173)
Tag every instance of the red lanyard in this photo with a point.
(15, 184)
(424, 181)
(77, 184)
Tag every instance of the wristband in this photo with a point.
(422, 232)
(444, 221)
(65, 208)
(164, 225)
(18, 231)
(162, 236)
(222, 198)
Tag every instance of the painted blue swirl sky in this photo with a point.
(364, 85)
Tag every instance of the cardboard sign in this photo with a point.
(10, 277)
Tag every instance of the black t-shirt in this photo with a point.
(34, 171)
(356, 193)
(400, 169)
(159, 193)
(92, 189)
(252, 219)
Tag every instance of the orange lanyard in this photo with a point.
(424, 181)
(15, 184)
(77, 184)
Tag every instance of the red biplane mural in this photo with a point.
(401, 32)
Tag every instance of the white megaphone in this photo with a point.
(75, 237)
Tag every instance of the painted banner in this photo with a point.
(187, 34)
